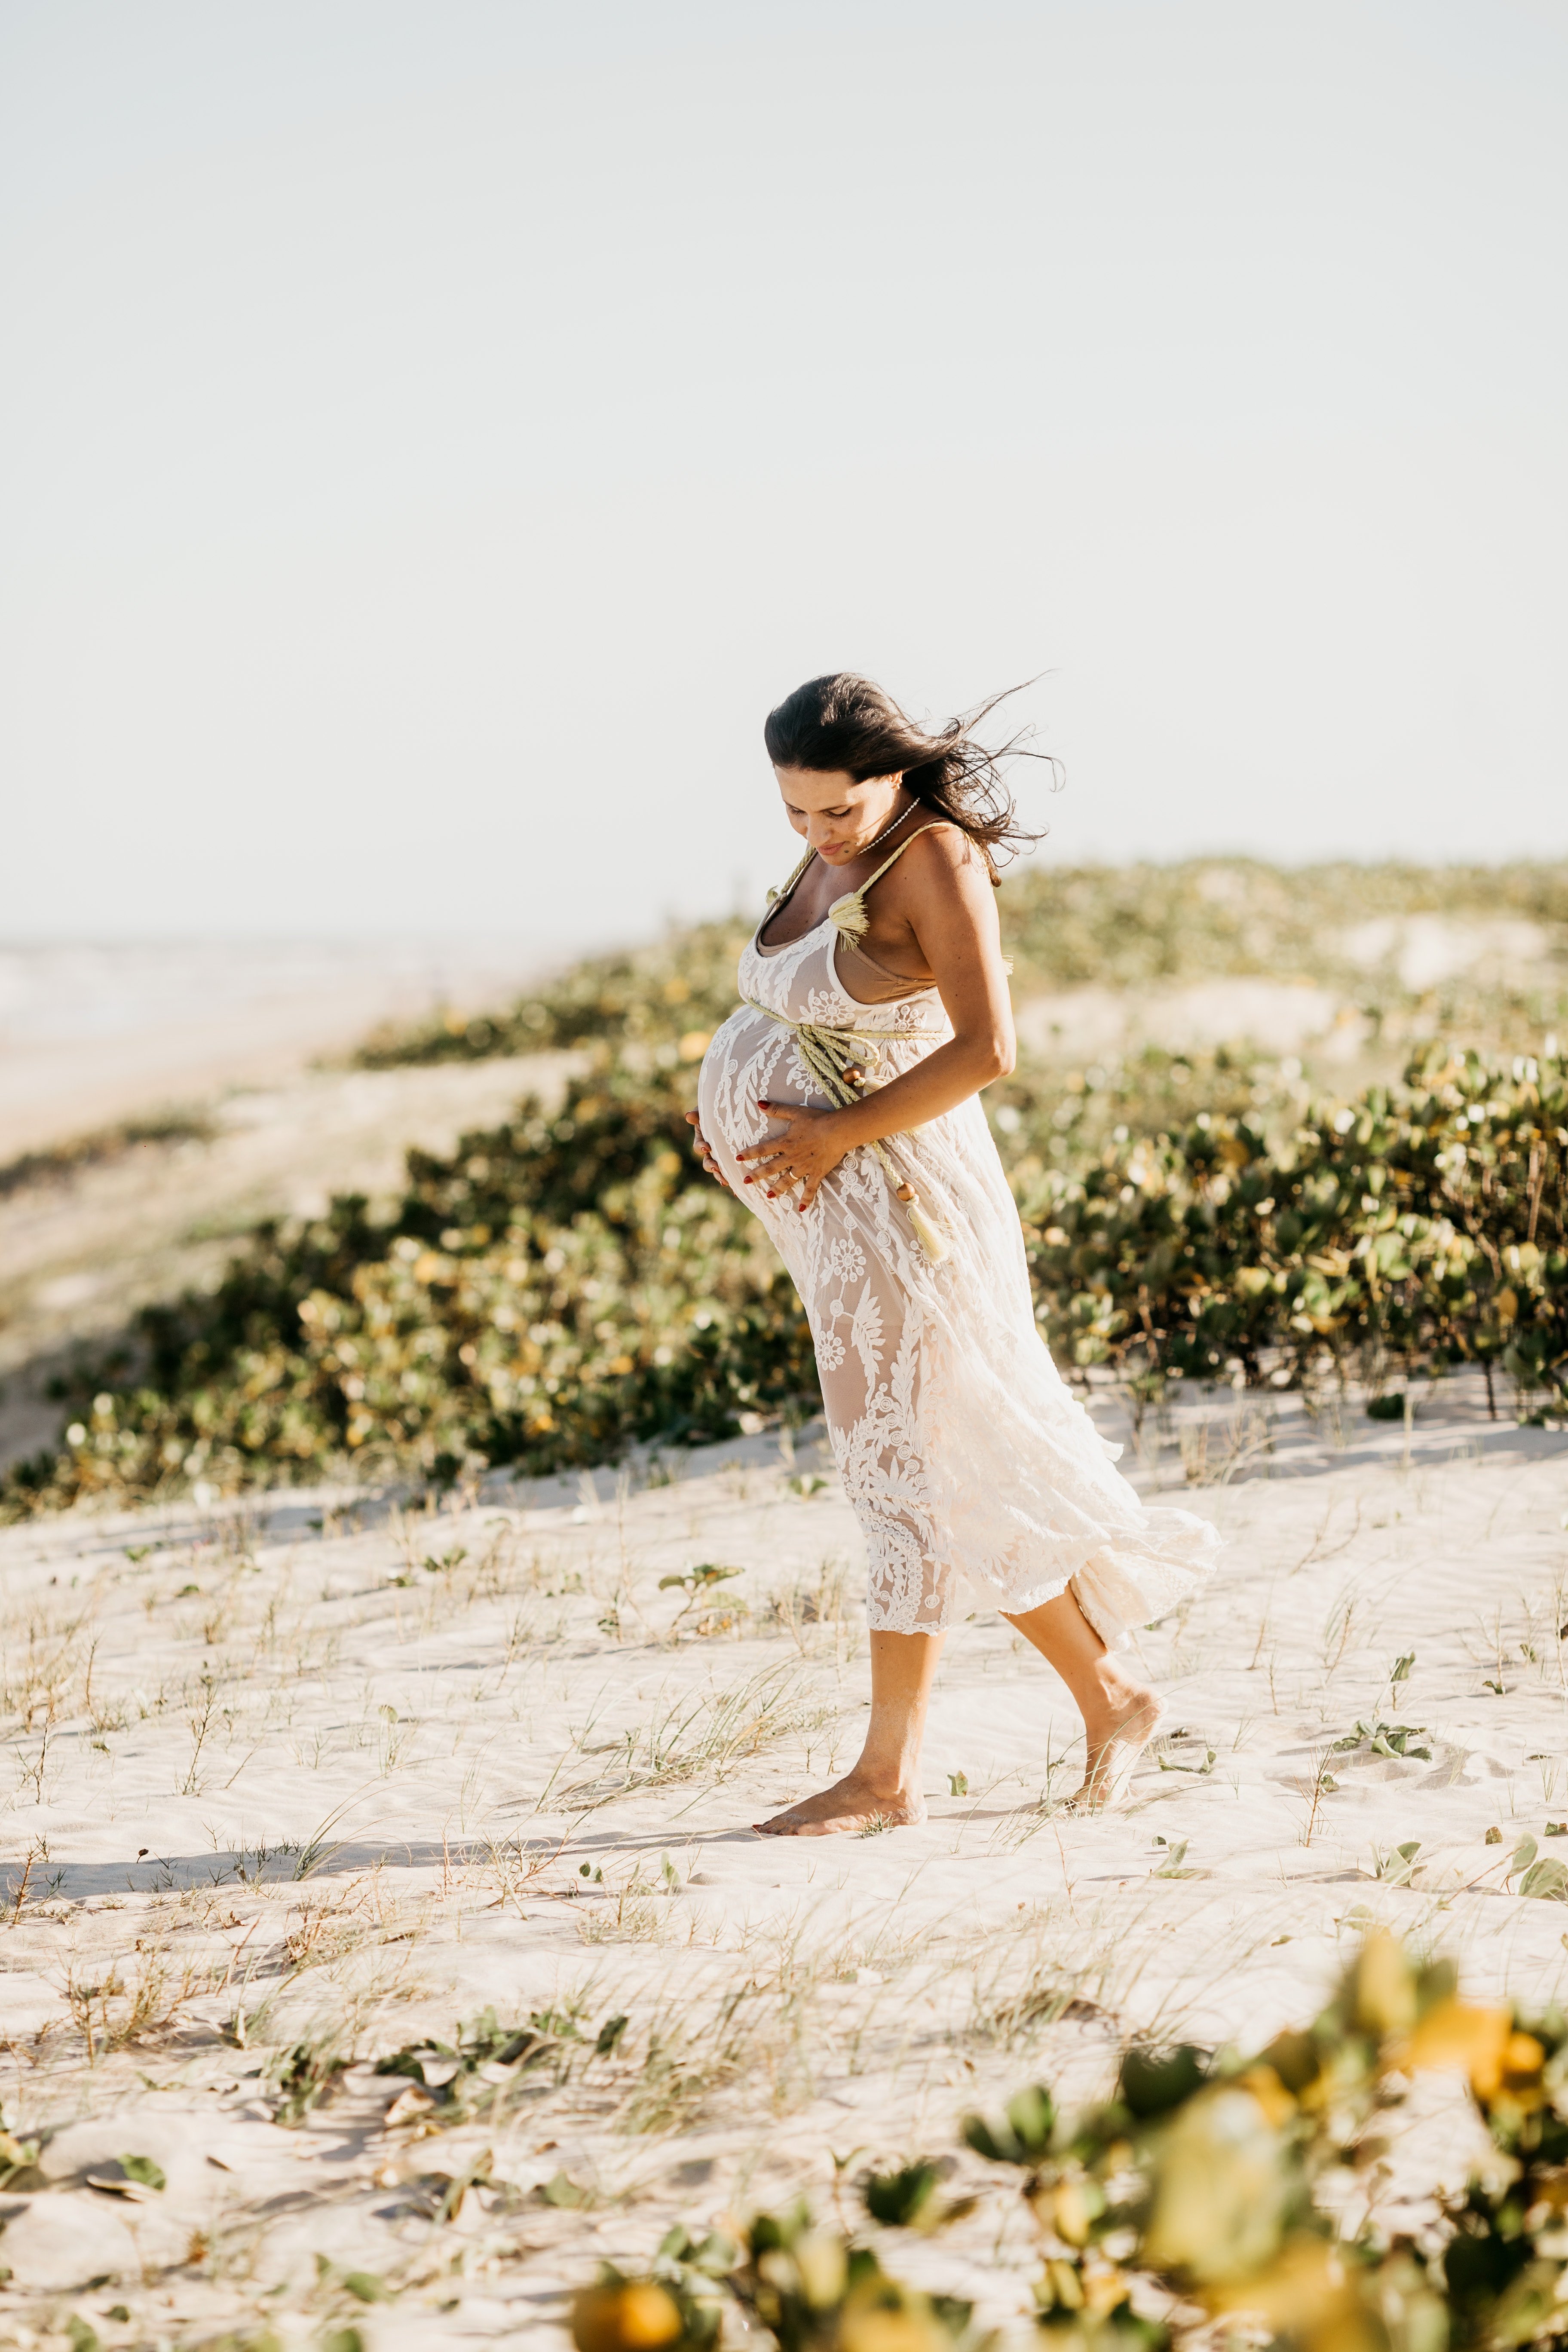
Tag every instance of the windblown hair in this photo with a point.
(845, 724)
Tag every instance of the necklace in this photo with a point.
(876, 840)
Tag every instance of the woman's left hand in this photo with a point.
(808, 1148)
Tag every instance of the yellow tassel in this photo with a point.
(848, 915)
(932, 1240)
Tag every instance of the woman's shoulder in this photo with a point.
(941, 858)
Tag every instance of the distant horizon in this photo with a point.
(478, 941)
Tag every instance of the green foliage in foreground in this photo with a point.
(565, 1285)
(1211, 2188)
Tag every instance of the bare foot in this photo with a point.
(1113, 1756)
(851, 1804)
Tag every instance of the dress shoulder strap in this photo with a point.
(848, 915)
(777, 898)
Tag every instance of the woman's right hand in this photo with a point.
(704, 1152)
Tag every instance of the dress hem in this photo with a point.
(1114, 1627)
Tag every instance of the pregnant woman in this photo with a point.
(841, 1102)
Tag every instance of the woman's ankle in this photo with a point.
(1119, 1702)
(889, 1781)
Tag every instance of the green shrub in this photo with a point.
(557, 1289)
(1423, 1224)
(570, 1284)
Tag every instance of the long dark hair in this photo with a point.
(843, 724)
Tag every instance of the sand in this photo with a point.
(310, 1774)
(92, 1032)
(1272, 1016)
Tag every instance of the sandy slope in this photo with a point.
(81, 1249)
(95, 1032)
(341, 1783)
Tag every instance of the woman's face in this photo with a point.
(834, 815)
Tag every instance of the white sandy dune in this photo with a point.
(291, 1779)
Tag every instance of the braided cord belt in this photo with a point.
(830, 1055)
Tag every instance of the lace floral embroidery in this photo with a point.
(972, 1469)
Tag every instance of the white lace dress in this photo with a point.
(975, 1474)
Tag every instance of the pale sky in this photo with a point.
(436, 434)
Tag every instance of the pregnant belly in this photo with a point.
(750, 1056)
